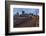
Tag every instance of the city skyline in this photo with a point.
(26, 10)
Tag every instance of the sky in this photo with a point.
(27, 10)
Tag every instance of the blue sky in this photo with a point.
(27, 10)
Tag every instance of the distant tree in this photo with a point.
(31, 13)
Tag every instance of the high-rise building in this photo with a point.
(17, 14)
(23, 12)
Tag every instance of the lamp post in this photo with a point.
(36, 16)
